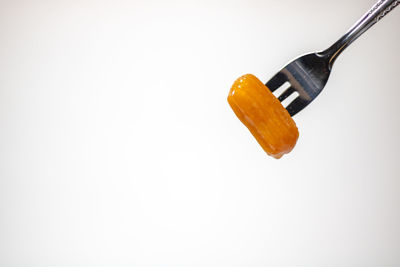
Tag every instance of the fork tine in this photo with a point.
(276, 81)
(297, 105)
(286, 94)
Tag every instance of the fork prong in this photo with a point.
(296, 105)
(277, 81)
(286, 94)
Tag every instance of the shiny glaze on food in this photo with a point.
(262, 113)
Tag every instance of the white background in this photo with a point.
(118, 147)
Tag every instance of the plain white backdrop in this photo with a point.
(118, 147)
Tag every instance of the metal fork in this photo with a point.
(308, 74)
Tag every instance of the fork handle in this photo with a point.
(376, 13)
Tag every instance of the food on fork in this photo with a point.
(263, 114)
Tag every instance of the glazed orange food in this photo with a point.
(262, 113)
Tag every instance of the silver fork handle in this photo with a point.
(376, 13)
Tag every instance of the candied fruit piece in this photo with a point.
(262, 113)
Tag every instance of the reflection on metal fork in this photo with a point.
(309, 74)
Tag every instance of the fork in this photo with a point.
(308, 74)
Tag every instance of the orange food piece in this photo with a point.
(262, 113)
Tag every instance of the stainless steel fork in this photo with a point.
(308, 74)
